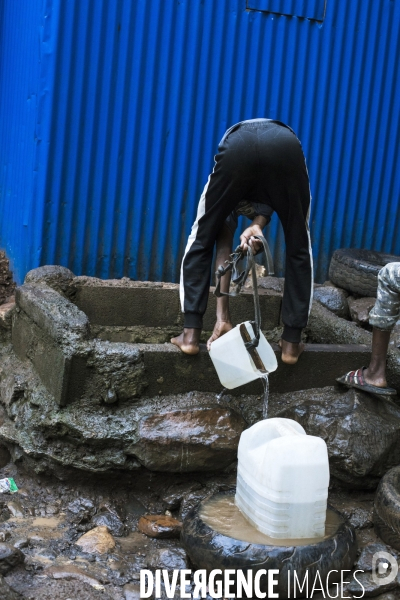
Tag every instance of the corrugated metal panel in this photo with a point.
(19, 84)
(134, 96)
(311, 9)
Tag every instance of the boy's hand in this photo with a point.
(246, 238)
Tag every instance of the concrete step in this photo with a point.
(149, 304)
(55, 336)
(169, 371)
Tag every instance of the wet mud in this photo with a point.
(54, 515)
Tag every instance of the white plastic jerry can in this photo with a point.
(232, 361)
(283, 479)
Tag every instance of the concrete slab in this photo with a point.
(171, 372)
(51, 363)
(53, 313)
(126, 303)
(52, 333)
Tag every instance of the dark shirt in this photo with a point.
(250, 210)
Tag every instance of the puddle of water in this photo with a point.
(222, 515)
(45, 522)
(43, 528)
(133, 543)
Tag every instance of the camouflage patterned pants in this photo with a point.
(386, 311)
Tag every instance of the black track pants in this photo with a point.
(259, 161)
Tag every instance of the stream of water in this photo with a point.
(221, 394)
(265, 383)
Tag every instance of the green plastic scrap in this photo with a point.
(13, 485)
(8, 485)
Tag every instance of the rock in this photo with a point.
(6, 313)
(15, 509)
(7, 284)
(52, 509)
(360, 518)
(10, 557)
(395, 336)
(160, 526)
(329, 283)
(360, 309)
(4, 536)
(132, 591)
(72, 572)
(362, 432)
(55, 276)
(371, 588)
(111, 521)
(386, 597)
(5, 456)
(324, 327)
(393, 369)
(36, 540)
(168, 558)
(276, 284)
(6, 593)
(175, 493)
(365, 560)
(334, 299)
(46, 553)
(21, 543)
(260, 274)
(96, 541)
(80, 510)
(98, 438)
(359, 513)
(191, 500)
(199, 439)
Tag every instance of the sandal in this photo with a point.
(355, 379)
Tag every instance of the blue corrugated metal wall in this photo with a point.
(111, 111)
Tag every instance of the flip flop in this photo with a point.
(355, 379)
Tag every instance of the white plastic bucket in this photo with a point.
(232, 361)
(283, 479)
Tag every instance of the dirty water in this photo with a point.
(222, 515)
(46, 522)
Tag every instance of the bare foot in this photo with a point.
(377, 379)
(220, 328)
(188, 341)
(290, 351)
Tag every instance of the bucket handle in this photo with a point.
(238, 279)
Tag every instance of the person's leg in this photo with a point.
(383, 317)
(287, 190)
(375, 373)
(226, 186)
(223, 323)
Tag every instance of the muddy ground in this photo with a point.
(46, 517)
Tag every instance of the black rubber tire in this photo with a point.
(387, 508)
(357, 270)
(208, 549)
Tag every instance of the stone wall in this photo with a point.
(7, 284)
